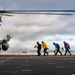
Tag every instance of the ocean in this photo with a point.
(50, 51)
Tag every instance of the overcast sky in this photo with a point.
(26, 29)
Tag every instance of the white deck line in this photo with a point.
(26, 65)
(51, 63)
(60, 67)
(6, 59)
(26, 70)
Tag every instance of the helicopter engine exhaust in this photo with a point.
(5, 46)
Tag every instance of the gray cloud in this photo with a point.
(38, 25)
(25, 30)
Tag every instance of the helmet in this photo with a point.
(42, 42)
(53, 43)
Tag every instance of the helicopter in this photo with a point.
(4, 45)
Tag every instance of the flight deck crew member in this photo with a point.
(38, 48)
(45, 47)
(57, 48)
(67, 47)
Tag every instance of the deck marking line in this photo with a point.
(60, 67)
(51, 63)
(26, 70)
(6, 59)
(26, 65)
(72, 74)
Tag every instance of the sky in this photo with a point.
(27, 29)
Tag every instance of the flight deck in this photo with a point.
(37, 65)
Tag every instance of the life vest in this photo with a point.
(55, 52)
(66, 45)
(35, 46)
(62, 48)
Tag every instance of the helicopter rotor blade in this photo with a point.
(13, 11)
(7, 15)
(36, 12)
(45, 13)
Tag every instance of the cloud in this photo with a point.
(32, 26)
(25, 30)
